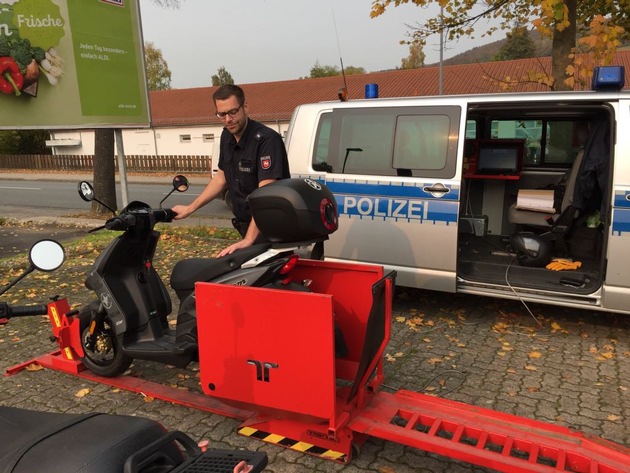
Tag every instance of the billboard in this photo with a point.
(71, 64)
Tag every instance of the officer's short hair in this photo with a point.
(228, 90)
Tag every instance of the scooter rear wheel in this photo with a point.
(103, 355)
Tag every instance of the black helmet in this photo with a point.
(531, 249)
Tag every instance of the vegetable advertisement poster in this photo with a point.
(71, 64)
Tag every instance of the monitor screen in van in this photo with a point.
(499, 157)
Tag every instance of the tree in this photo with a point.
(518, 45)
(416, 56)
(324, 71)
(104, 171)
(104, 167)
(158, 73)
(350, 70)
(24, 142)
(222, 77)
(167, 3)
(328, 71)
(600, 24)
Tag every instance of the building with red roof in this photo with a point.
(183, 121)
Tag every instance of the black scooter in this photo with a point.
(129, 318)
(50, 442)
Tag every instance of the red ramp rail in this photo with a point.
(486, 438)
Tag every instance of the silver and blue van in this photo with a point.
(505, 195)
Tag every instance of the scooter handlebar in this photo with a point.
(128, 220)
(7, 311)
(122, 222)
(164, 215)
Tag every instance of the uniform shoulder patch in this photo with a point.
(265, 162)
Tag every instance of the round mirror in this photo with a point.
(180, 183)
(47, 255)
(86, 191)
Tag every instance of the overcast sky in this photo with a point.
(273, 40)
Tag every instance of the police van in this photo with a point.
(505, 195)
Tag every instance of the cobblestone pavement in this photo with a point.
(572, 371)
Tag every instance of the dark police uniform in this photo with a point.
(259, 155)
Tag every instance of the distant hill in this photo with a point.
(487, 52)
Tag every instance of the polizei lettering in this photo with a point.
(383, 207)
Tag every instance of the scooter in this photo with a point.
(129, 318)
(48, 442)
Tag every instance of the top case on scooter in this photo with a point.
(294, 210)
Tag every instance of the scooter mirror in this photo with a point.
(46, 255)
(86, 191)
(180, 183)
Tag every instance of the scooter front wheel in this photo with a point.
(103, 353)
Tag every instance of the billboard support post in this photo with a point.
(122, 167)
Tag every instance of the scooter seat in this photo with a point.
(189, 271)
(48, 442)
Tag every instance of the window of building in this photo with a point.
(184, 138)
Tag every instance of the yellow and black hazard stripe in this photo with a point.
(297, 445)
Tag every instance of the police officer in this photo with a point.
(251, 155)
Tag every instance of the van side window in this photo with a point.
(562, 140)
(366, 142)
(421, 142)
(322, 143)
(386, 141)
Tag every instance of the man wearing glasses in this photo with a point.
(251, 155)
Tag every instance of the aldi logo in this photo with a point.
(120, 3)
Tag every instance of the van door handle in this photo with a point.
(436, 190)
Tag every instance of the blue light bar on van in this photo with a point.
(608, 78)
(371, 91)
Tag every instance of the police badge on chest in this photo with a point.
(245, 167)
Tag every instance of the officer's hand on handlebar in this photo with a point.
(165, 215)
(181, 211)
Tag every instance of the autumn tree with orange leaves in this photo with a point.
(576, 28)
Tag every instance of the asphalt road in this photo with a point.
(41, 192)
(36, 206)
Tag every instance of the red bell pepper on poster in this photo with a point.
(11, 79)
